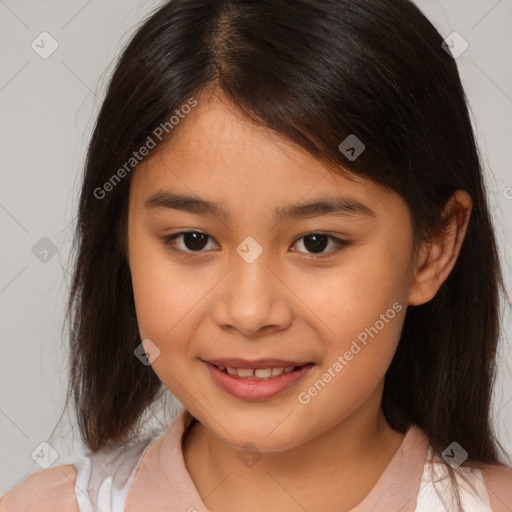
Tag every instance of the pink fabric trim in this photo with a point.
(163, 483)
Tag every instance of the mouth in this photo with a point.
(263, 369)
(259, 380)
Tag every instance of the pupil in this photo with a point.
(194, 240)
(319, 243)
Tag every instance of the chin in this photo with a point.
(264, 439)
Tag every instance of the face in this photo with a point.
(261, 284)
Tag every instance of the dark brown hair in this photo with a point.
(314, 71)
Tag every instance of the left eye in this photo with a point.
(318, 242)
(195, 241)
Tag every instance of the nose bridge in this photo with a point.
(252, 297)
(251, 275)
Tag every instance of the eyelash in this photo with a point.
(169, 242)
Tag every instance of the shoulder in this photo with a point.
(48, 490)
(498, 480)
(484, 487)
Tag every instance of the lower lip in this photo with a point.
(253, 389)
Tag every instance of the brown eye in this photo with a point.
(195, 241)
(315, 243)
(192, 241)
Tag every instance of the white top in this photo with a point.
(105, 479)
(429, 499)
(112, 497)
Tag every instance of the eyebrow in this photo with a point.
(341, 206)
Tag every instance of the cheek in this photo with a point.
(156, 289)
(364, 309)
(165, 312)
(169, 298)
(149, 286)
(362, 303)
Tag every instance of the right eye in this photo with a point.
(191, 241)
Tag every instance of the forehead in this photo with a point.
(219, 155)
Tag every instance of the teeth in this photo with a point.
(263, 373)
(259, 373)
(245, 372)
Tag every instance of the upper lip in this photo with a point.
(259, 363)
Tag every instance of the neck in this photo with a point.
(345, 461)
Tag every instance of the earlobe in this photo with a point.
(437, 257)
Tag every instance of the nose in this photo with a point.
(253, 298)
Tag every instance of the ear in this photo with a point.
(437, 257)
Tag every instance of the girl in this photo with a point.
(283, 222)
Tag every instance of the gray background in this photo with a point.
(48, 107)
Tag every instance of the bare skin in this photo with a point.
(223, 481)
(319, 451)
